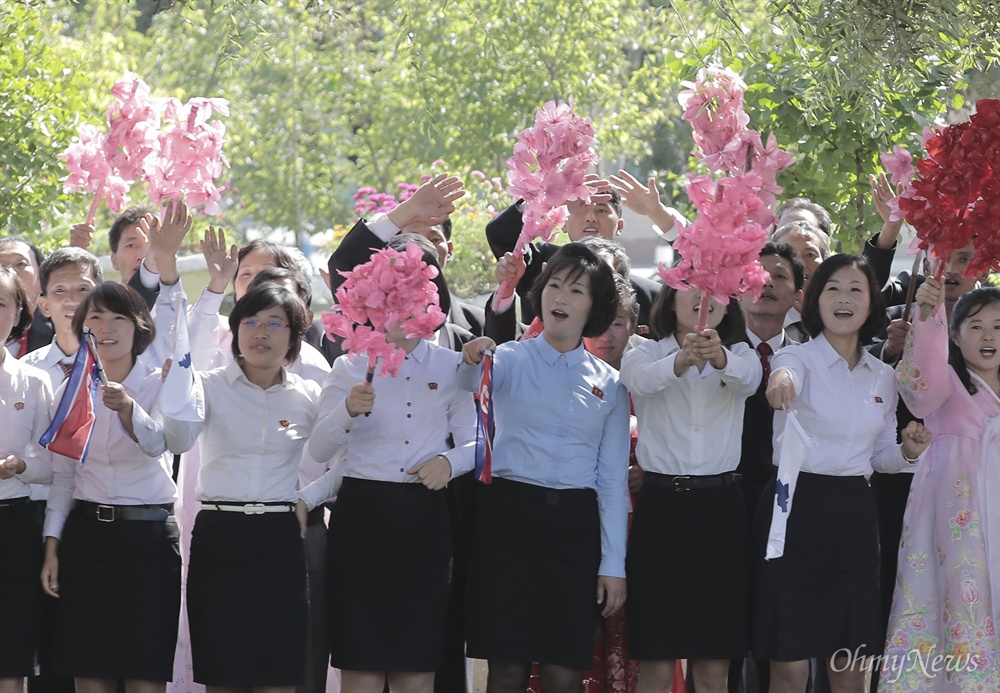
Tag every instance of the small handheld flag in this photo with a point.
(484, 421)
(71, 428)
(794, 443)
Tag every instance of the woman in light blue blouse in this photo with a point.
(550, 530)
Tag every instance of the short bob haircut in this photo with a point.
(270, 296)
(877, 318)
(9, 280)
(579, 260)
(663, 319)
(121, 299)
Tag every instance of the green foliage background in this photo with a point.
(328, 96)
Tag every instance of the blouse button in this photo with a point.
(409, 404)
(407, 377)
(409, 416)
(401, 469)
(406, 442)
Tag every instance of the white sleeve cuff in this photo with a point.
(382, 226)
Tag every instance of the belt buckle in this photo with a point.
(680, 483)
(253, 509)
(105, 517)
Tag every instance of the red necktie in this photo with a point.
(764, 350)
(67, 368)
(22, 345)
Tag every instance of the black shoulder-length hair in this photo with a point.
(663, 318)
(267, 296)
(121, 299)
(9, 277)
(877, 319)
(580, 261)
(967, 306)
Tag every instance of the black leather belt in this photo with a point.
(18, 502)
(112, 513)
(685, 482)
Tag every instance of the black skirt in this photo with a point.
(533, 575)
(822, 595)
(246, 599)
(388, 574)
(21, 554)
(119, 599)
(688, 573)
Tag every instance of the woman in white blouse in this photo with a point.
(25, 400)
(821, 598)
(111, 547)
(246, 590)
(689, 391)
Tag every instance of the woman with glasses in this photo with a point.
(246, 597)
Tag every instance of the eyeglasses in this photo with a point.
(252, 324)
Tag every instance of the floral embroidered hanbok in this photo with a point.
(942, 629)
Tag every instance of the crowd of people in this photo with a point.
(308, 517)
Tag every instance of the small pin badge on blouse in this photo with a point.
(598, 391)
(432, 386)
(18, 406)
(285, 423)
(878, 400)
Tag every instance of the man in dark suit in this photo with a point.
(25, 259)
(598, 218)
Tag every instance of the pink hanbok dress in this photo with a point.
(942, 633)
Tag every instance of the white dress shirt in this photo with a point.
(117, 470)
(48, 359)
(691, 423)
(413, 415)
(25, 402)
(849, 414)
(251, 438)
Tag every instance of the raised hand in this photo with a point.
(221, 265)
(431, 203)
(689, 355)
(166, 237)
(897, 331)
(81, 235)
(882, 192)
(641, 199)
(509, 271)
(929, 296)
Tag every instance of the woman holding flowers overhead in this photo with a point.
(397, 441)
(558, 501)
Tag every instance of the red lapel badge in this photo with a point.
(19, 406)
(432, 386)
(285, 423)
(878, 400)
(598, 391)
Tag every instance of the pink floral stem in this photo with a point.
(92, 214)
(703, 314)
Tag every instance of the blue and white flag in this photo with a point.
(794, 443)
(182, 398)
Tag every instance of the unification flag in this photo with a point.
(71, 428)
(181, 398)
(794, 443)
(484, 421)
